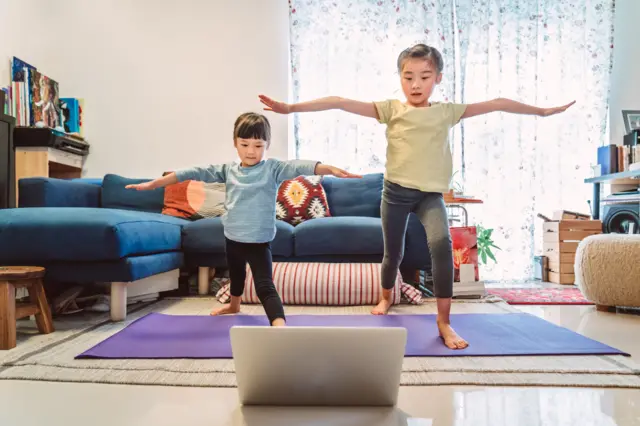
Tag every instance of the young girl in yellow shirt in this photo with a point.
(419, 167)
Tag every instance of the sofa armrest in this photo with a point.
(49, 192)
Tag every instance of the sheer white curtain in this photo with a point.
(545, 52)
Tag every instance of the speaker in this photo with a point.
(619, 218)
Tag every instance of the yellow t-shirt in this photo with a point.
(418, 152)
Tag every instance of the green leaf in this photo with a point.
(484, 243)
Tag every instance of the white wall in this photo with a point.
(163, 80)
(5, 44)
(625, 90)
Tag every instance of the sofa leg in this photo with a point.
(604, 308)
(118, 301)
(203, 280)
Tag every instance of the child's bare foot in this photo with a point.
(226, 310)
(279, 322)
(450, 337)
(383, 306)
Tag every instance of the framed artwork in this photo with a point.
(631, 120)
(46, 101)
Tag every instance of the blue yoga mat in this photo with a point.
(160, 336)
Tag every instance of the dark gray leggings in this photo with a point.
(397, 203)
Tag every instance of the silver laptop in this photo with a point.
(328, 366)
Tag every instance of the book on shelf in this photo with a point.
(608, 159)
(630, 151)
(627, 155)
(617, 159)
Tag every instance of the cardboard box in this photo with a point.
(568, 215)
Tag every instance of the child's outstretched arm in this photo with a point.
(325, 169)
(365, 109)
(284, 170)
(508, 105)
(154, 184)
(211, 174)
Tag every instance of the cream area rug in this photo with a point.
(51, 357)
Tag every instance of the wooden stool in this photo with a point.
(29, 277)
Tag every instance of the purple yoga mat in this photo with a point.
(157, 336)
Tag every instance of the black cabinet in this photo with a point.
(7, 163)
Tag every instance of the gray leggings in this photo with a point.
(397, 203)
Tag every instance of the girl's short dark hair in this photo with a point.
(422, 51)
(251, 125)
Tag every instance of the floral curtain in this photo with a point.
(544, 52)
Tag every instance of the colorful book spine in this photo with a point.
(608, 159)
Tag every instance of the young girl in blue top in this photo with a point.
(419, 167)
(250, 220)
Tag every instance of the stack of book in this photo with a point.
(618, 158)
(631, 150)
(32, 98)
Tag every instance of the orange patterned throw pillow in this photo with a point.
(194, 200)
(301, 199)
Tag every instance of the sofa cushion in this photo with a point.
(207, 236)
(90, 181)
(84, 234)
(49, 192)
(339, 236)
(354, 197)
(116, 196)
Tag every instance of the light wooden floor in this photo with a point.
(68, 404)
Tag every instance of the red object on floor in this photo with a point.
(540, 296)
(465, 249)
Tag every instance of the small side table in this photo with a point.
(12, 278)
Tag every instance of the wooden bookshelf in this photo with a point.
(628, 178)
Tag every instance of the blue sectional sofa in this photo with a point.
(94, 230)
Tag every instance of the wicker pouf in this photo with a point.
(607, 269)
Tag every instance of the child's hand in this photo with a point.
(275, 106)
(146, 186)
(557, 110)
(342, 173)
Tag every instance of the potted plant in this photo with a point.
(456, 185)
(485, 244)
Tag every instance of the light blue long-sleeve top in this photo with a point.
(251, 194)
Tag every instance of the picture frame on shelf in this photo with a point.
(631, 120)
